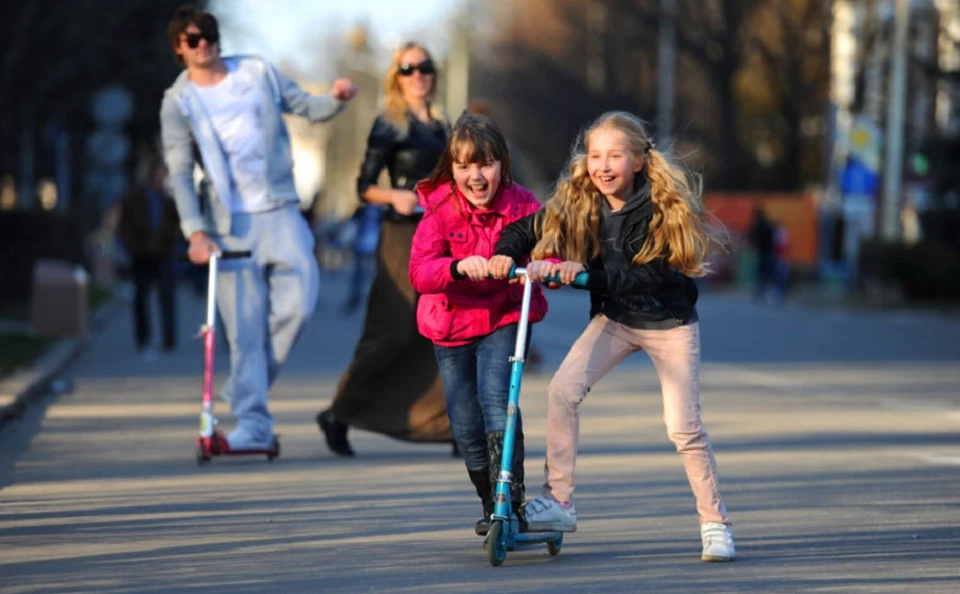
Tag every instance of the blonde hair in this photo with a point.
(396, 105)
(571, 220)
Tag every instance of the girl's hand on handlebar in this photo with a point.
(499, 267)
(541, 269)
(569, 270)
(475, 268)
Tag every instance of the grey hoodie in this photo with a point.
(185, 125)
(611, 224)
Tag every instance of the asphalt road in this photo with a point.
(836, 435)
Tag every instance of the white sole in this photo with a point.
(716, 558)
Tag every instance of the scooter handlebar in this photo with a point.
(235, 255)
(224, 255)
(579, 282)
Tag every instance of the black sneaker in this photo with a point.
(335, 433)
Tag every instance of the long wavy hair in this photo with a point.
(396, 106)
(571, 220)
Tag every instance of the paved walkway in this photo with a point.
(836, 435)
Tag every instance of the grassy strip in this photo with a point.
(20, 350)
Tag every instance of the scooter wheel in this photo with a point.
(494, 545)
(554, 546)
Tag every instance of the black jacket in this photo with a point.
(653, 295)
(408, 159)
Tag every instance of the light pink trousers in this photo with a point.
(676, 356)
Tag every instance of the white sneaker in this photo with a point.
(717, 542)
(240, 440)
(545, 514)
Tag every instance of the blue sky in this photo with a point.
(288, 31)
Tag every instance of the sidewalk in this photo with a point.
(24, 385)
(839, 471)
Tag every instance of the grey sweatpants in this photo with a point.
(264, 301)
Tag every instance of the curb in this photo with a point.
(22, 387)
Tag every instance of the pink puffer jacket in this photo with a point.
(457, 312)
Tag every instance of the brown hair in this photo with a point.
(677, 229)
(188, 15)
(474, 139)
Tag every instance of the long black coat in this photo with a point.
(393, 384)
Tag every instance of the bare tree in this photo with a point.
(792, 43)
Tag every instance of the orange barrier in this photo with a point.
(797, 212)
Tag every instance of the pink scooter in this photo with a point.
(211, 441)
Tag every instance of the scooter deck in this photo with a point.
(217, 445)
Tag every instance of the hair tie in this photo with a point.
(650, 146)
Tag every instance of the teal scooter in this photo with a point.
(504, 534)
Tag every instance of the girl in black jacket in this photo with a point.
(633, 220)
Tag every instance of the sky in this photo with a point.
(288, 31)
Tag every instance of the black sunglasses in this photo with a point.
(193, 39)
(426, 68)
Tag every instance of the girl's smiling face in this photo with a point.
(478, 182)
(612, 164)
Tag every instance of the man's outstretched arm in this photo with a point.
(316, 108)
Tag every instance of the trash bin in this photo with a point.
(58, 305)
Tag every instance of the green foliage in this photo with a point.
(19, 350)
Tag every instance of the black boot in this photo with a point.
(481, 480)
(495, 446)
(517, 489)
(335, 433)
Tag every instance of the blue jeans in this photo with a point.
(476, 380)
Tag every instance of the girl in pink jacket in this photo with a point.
(472, 320)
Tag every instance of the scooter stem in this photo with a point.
(209, 342)
(502, 503)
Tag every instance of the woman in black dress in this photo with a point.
(393, 386)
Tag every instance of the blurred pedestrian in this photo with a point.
(631, 218)
(910, 223)
(472, 321)
(781, 255)
(392, 385)
(148, 229)
(228, 109)
(366, 225)
(762, 239)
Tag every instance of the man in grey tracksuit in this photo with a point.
(226, 113)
